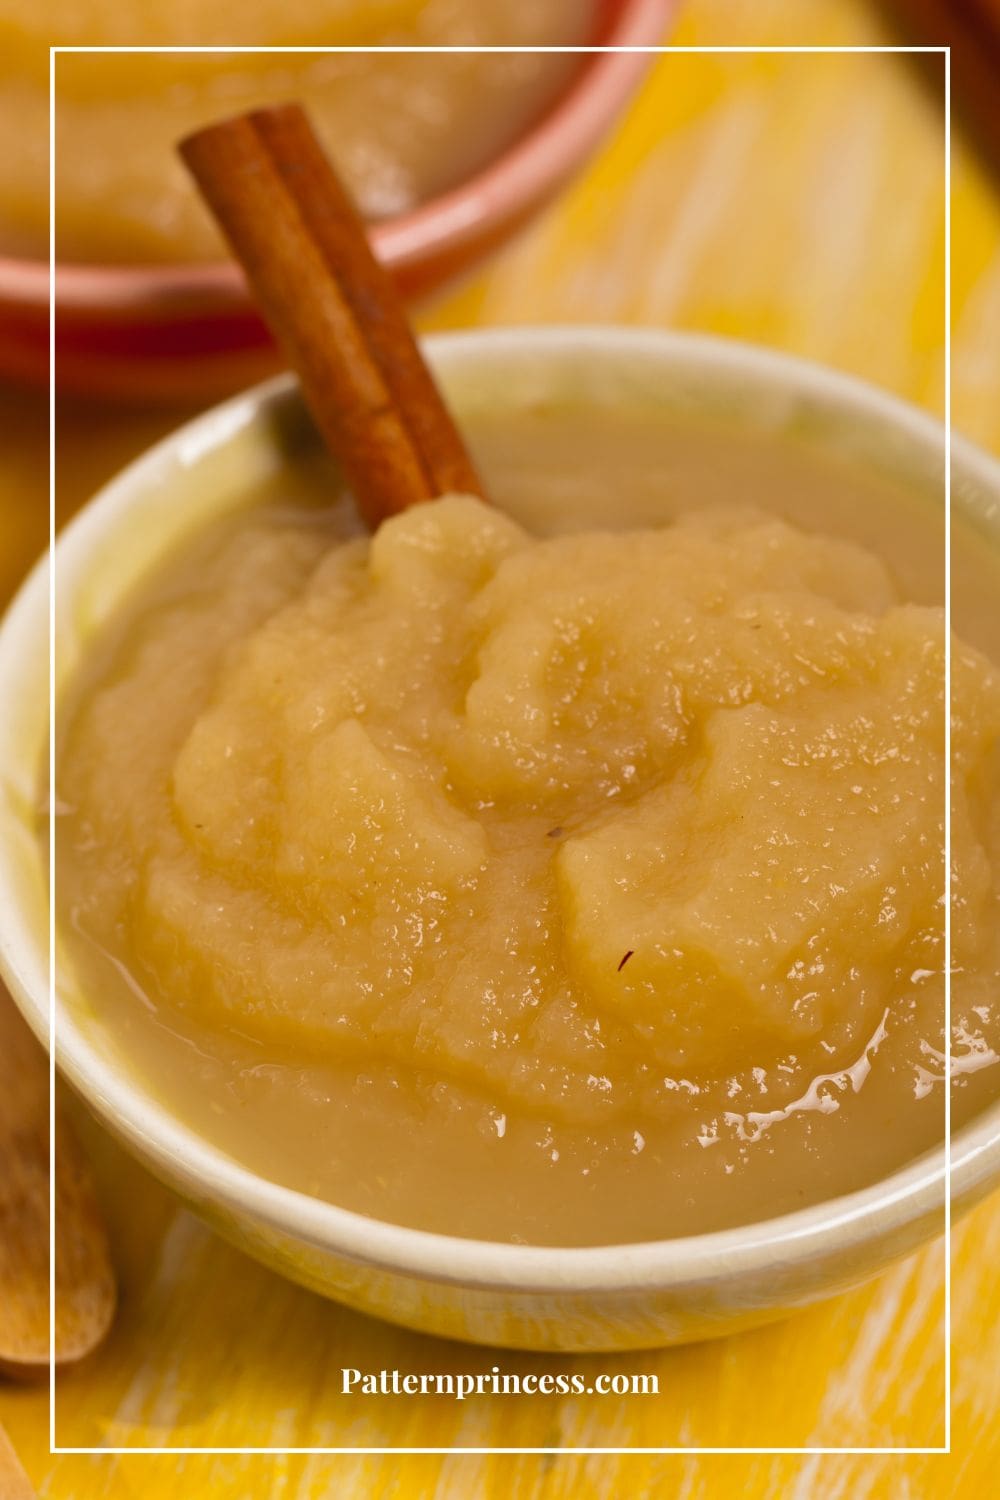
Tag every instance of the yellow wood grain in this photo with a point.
(797, 201)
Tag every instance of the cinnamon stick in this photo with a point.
(971, 28)
(332, 307)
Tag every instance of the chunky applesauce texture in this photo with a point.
(597, 828)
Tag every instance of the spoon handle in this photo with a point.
(85, 1288)
(14, 1482)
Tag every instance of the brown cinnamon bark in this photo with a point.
(332, 307)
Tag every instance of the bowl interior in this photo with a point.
(203, 472)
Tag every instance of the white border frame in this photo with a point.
(622, 1452)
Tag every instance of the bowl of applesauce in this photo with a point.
(446, 153)
(527, 924)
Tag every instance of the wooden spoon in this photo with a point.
(332, 307)
(85, 1286)
(14, 1482)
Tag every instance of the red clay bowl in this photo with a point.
(164, 333)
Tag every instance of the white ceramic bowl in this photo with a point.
(609, 1297)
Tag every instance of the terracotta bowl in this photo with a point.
(189, 333)
(534, 1297)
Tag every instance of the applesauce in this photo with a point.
(401, 128)
(562, 873)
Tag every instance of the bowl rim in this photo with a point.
(179, 1154)
(545, 153)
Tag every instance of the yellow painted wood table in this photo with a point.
(796, 200)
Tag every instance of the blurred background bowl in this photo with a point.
(189, 332)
